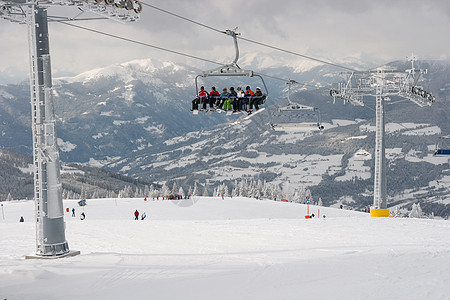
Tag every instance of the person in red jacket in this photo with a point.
(202, 97)
(213, 97)
(136, 215)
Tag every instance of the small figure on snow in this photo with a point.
(21, 219)
(136, 215)
(82, 216)
(143, 216)
(73, 212)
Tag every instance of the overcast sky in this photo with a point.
(335, 30)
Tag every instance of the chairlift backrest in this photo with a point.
(296, 115)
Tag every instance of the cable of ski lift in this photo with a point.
(181, 17)
(64, 22)
(136, 42)
(249, 40)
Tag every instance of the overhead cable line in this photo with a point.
(165, 49)
(297, 54)
(249, 40)
(181, 17)
(136, 42)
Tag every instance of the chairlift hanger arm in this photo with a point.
(234, 34)
(231, 69)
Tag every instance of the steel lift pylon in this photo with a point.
(382, 83)
(50, 226)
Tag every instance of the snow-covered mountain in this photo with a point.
(134, 118)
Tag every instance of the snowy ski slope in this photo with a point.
(209, 248)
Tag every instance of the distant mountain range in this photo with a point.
(134, 119)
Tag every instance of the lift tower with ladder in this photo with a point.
(50, 228)
(382, 83)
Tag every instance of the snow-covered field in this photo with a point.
(209, 248)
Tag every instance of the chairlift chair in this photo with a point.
(443, 146)
(231, 70)
(296, 115)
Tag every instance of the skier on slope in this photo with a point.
(136, 215)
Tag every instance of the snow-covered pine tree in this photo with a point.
(234, 191)
(397, 213)
(195, 192)
(218, 191)
(320, 202)
(277, 192)
(205, 192)
(268, 191)
(137, 193)
(243, 188)
(165, 191)
(174, 188)
(226, 191)
(152, 192)
(416, 211)
(296, 197)
(286, 191)
(181, 191)
(419, 211)
(259, 189)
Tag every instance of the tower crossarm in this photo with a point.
(358, 85)
(117, 10)
(13, 12)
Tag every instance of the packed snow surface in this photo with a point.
(209, 248)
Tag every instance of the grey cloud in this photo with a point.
(329, 28)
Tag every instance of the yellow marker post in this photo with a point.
(379, 212)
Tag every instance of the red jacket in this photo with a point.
(214, 94)
(202, 94)
(136, 213)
